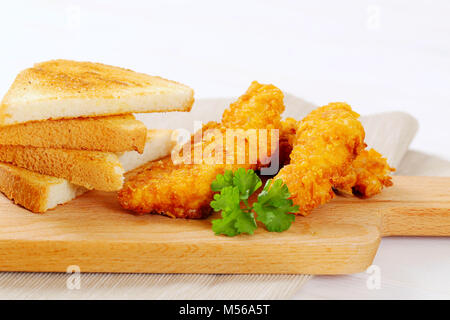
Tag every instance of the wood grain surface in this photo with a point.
(341, 237)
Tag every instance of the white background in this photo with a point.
(375, 55)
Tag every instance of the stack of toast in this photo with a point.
(67, 127)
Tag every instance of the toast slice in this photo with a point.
(90, 169)
(111, 133)
(34, 191)
(39, 193)
(70, 89)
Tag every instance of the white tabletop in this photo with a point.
(375, 55)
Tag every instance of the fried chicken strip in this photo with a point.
(183, 190)
(326, 143)
(367, 176)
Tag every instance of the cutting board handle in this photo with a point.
(424, 209)
(413, 221)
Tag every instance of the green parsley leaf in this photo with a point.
(222, 181)
(247, 181)
(245, 223)
(273, 206)
(234, 220)
(227, 200)
(226, 225)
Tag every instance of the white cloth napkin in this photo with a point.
(390, 133)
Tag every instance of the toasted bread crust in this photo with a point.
(88, 79)
(25, 187)
(90, 169)
(61, 89)
(33, 191)
(110, 134)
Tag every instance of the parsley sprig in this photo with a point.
(273, 206)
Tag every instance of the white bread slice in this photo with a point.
(39, 193)
(110, 133)
(159, 144)
(70, 89)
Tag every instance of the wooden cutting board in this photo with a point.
(94, 233)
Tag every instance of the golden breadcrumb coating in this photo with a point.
(369, 174)
(259, 108)
(184, 190)
(326, 143)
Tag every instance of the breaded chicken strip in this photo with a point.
(367, 176)
(326, 143)
(184, 190)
